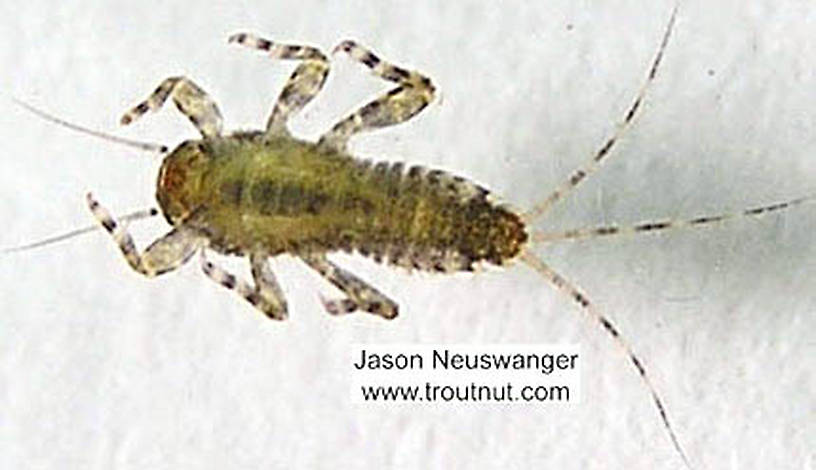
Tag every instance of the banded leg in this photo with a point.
(265, 295)
(189, 98)
(165, 254)
(360, 295)
(303, 85)
(412, 95)
(587, 307)
(591, 166)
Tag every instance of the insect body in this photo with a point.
(260, 194)
(248, 193)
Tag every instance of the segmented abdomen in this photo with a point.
(306, 201)
(437, 221)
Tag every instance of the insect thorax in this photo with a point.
(249, 193)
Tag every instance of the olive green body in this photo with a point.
(250, 193)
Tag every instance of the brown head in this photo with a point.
(179, 183)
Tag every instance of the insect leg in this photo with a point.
(304, 83)
(413, 93)
(360, 295)
(190, 99)
(265, 295)
(165, 254)
(587, 307)
(592, 165)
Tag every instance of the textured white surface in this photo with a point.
(102, 369)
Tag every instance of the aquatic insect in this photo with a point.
(264, 193)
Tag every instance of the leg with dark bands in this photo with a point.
(304, 83)
(189, 98)
(360, 295)
(412, 95)
(165, 254)
(265, 295)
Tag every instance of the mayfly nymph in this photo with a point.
(264, 193)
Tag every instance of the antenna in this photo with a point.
(138, 215)
(150, 147)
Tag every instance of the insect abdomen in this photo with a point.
(289, 196)
(440, 222)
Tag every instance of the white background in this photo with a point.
(100, 368)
